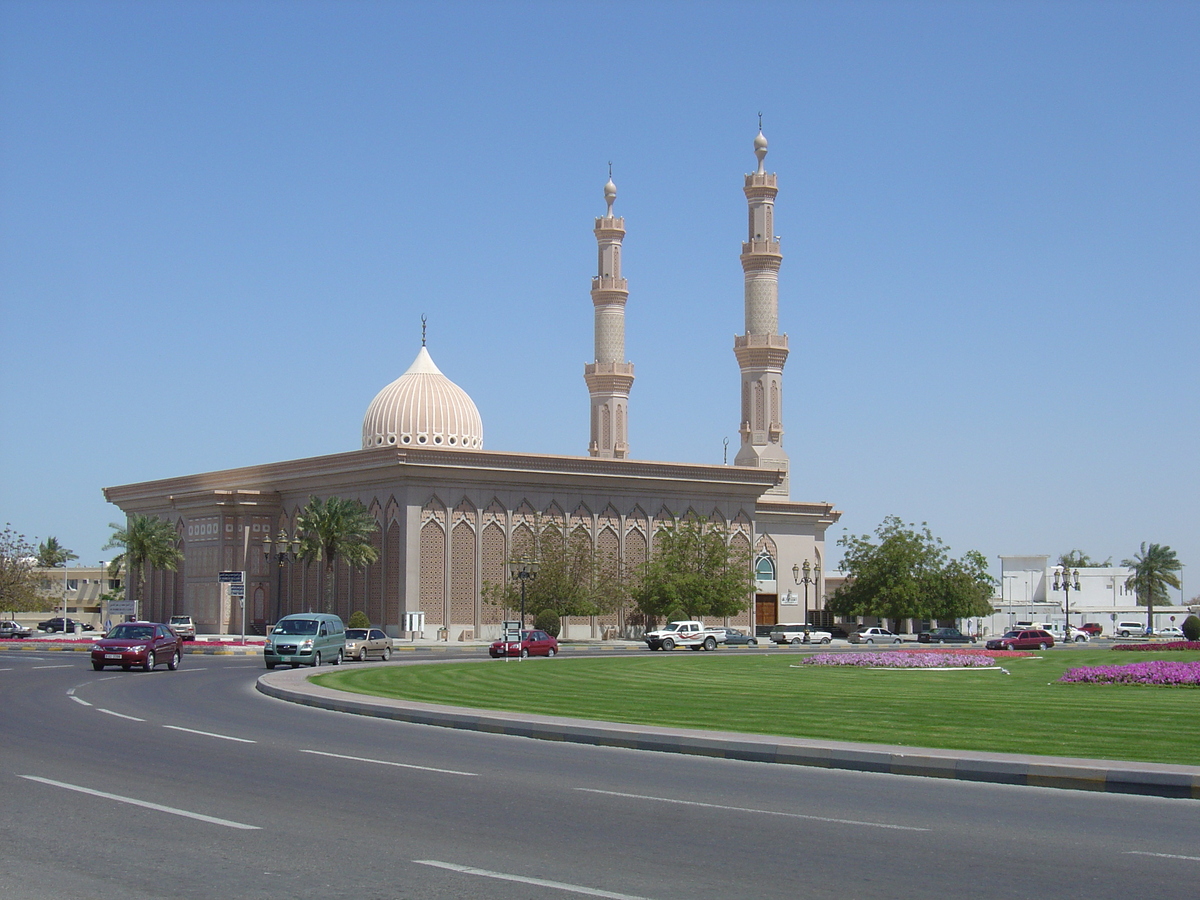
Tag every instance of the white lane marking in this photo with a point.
(118, 715)
(224, 737)
(77, 700)
(1162, 855)
(385, 762)
(52, 667)
(144, 804)
(540, 882)
(764, 812)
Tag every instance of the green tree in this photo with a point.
(145, 542)
(694, 568)
(1077, 559)
(573, 577)
(52, 555)
(905, 573)
(1155, 568)
(358, 619)
(18, 585)
(336, 529)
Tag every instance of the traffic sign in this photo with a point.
(230, 577)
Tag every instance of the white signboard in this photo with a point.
(789, 599)
(120, 607)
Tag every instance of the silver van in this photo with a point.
(305, 639)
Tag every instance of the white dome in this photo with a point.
(423, 408)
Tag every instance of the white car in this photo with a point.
(874, 636)
(799, 634)
(1172, 633)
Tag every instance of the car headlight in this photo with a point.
(138, 649)
(96, 647)
(307, 645)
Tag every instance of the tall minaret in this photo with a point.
(762, 350)
(610, 377)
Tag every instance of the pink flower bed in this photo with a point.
(902, 660)
(994, 654)
(1160, 673)
(1169, 645)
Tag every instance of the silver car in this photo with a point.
(364, 642)
(874, 636)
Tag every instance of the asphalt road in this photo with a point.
(192, 784)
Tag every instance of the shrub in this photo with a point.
(548, 621)
(1191, 628)
(358, 619)
(677, 615)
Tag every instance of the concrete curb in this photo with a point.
(1109, 776)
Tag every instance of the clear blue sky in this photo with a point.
(220, 224)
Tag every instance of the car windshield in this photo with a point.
(1012, 634)
(296, 626)
(179, 620)
(132, 632)
(356, 634)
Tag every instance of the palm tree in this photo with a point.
(1155, 569)
(146, 541)
(52, 555)
(336, 529)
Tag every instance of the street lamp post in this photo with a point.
(1069, 582)
(523, 570)
(811, 576)
(283, 549)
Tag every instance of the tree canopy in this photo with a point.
(18, 585)
(1077, 559)
(906, 573)
(52, 555)
(693, 568)
(336, 529)
(1155, 568)
(145, 542)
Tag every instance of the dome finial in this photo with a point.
(423, 321)
(610, 191)
(760, 145)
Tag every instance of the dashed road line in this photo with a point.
(522, 879)
(224, 737)
(187, 814)
(1162, 855)
(109, 712)
(387, 762)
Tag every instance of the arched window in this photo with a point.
(764, 568)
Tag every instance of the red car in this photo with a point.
(532, 643)
(1092, 628)
(144, 644)
(1030, 639)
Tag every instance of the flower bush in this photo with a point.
(1169, 645)
(902, 660)
(994, 654)
(1159, 672)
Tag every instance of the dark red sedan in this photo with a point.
(532, 643)
(1030, 639)
(144, 644)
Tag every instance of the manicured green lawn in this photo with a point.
(1024, 712)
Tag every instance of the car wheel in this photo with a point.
(99, 667)
(896, 641)
(362, 654)
(824, 640)
(551, 652)
(337, 660)
(317, 659)
(710, 643)
(752, 642)
(869, 641)
(1041, 646)
(387, 653)
(524, 653)
(148, 665)
(796, 640)
(940, 641)
(173, 662)
(668, 644)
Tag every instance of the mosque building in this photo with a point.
(451, 514)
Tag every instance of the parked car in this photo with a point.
(305, 639)
(10, 629)
(364, 642)
(1125, 629)
(1170, 634)
(184, 626)
(1031, 639)
(144, 644)
(737, 636)
(57, 624)
(944, 636)
(874, 636)
(791, 633)
(533, 643)
(1094, 629)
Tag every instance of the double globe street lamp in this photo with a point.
(1069, 582)
(285, 550)
(523, 570)
(812, 574)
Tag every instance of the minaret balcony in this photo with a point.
(762, 180)
(770, 247)
(610, 283)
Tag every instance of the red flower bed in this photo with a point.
(1169, 645)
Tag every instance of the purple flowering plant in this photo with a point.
(1169, 645)
(1159, 673)
(901, 660)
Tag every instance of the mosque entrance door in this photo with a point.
(766, 613)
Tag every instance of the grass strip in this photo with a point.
(1026, 711)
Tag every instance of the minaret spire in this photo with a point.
(610, 377)
(762, 351)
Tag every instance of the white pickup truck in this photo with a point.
(693, 635)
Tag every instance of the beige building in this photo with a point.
(450, 512)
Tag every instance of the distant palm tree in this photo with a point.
(146, 541)
(336, 529)
(1155, 569)
(52, 555)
